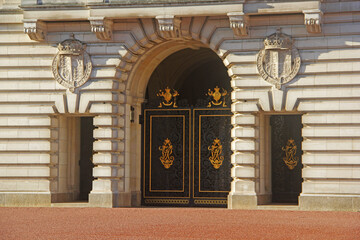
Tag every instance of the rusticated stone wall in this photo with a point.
(34, 108)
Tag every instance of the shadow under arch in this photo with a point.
(142, 70)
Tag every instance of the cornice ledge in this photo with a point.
(313, 20)
(101, 27)
(169, 26)
(239, 22)
(35, 29)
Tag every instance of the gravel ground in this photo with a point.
(174, 223)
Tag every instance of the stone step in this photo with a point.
(71, 204)
(290, 207)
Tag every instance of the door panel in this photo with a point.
(186, 156)
(286, 158)
(211, 156)
(166, 156)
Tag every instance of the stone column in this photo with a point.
(245, 158)
(109, 171)
(133, 150)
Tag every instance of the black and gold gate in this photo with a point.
(186, 151)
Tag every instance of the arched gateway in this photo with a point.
(186, 139)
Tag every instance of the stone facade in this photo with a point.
(125, 44)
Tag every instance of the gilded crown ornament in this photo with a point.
(290, 151)
(72, 66)
(169, 98)
(279, 61)
(218, 98)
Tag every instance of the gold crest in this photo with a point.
(217, 96)
(166, 151)
(216, 149)
(168, 97)
(290, 151)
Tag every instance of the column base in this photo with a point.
(110, 200)
(329, 203)
(135, 199)
(242, 201)
(25, 199)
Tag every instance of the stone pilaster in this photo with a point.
(245, 159)
(109, 171)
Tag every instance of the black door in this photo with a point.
(211, 156)
(167, 156)
(186, 153)
(86, 152)
(286, 158)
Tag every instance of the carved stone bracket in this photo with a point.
(169, 26)
(313, 20)
(239, 22)
(101, 27)
(35, 29)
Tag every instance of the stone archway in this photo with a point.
(142, 44)
(136, 91)
(135, 70)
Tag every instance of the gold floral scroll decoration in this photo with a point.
(290, 151)
(169, 98)
(216, 149)
(218, 97)
(166, 151)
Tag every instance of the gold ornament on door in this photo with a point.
(216, 150)
(290, 151)
(169, 99)
(166, 151)
(218, 97)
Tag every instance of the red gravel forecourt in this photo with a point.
(174, 223)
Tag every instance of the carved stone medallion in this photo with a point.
(72, 66)
(279, 61)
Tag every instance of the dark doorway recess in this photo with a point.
(187, 141)
(286, 154)
(86, 153)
